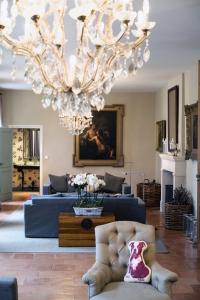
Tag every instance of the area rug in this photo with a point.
(12, 239)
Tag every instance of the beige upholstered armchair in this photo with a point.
(105, 278)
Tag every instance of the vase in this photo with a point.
(88, 211)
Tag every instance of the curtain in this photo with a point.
(34, 143)
(1, 111)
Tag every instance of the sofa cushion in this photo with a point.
(59, 183)
(71, 188)
(137, 271)
(113, 183)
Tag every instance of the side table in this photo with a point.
(79, 230)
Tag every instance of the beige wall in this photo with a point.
(24, 108)
(188, 94)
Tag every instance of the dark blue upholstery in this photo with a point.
(42, 212)
(8, 288)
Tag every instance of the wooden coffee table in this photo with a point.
(79, 230)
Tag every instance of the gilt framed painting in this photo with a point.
(191, 113)
(102, 143)
(160, 135)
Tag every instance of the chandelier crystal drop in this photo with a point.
(110, 42)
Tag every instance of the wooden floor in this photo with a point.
(58, 276)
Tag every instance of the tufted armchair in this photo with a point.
(105, 278)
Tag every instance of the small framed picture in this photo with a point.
(160, 135)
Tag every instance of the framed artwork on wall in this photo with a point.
(173, 114)
(160, 135)
(191, 113)
(102, 143)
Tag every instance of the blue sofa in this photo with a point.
(42, 211)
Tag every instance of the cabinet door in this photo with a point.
(5, 164)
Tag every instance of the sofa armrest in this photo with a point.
(96, 278)
(46, 189)
(162, 278)
(8, 288)
(126, 189)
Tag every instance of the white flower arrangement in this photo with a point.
(91, 181)
(92, 184)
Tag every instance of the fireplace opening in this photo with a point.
(168, 192)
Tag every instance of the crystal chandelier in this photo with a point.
(111, 41)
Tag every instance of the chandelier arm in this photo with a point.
(85, 71)
(62, 28)
(64, 63)
(92, 80)
(62, 25)
(109, 24)
(21, 49)
(55, 49)
(137, 43)
(95, 56)
(85, 21)
(140, 40)
(109, 32)
(108, 62)
(89, 85)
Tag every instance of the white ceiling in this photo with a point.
(175, 45)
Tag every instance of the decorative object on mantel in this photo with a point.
(102, 143)
(174, 148)
(191, 113)
(178, 206)
(161, 135)
(165, 145)
(173, 115)
(88, 203)
(149, 192)
(111, 41)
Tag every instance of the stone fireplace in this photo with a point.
(173, 171)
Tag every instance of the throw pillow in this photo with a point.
(71, 188)
(113, 183)
(59, 183)
(137, 271)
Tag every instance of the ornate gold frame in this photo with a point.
(191, 112)
(119, 161)
(160, 135)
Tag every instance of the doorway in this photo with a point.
(27, 158)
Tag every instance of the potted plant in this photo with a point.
(178, 206)
(88, 202)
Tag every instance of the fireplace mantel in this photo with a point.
(173, 171)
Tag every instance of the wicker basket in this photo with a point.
(150, 192)
(174, 215)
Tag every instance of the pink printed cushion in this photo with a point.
(137, 271)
